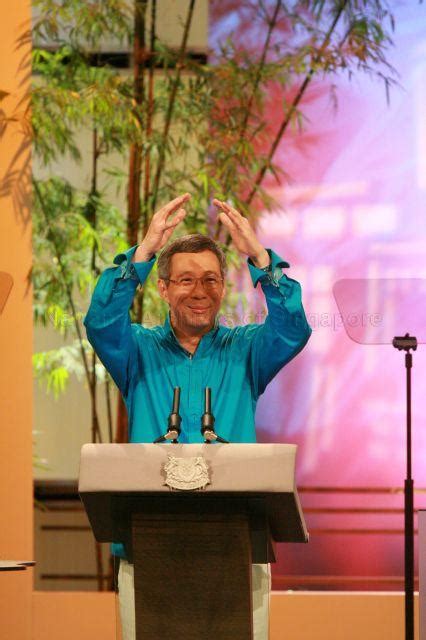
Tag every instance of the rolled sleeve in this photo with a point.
(273, 275)
(132, 270)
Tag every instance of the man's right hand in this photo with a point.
(161, 228)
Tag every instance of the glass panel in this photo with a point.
(374, 311)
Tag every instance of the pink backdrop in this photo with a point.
(355, 208)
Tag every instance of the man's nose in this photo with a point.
(198, 288)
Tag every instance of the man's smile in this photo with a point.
(198, 309)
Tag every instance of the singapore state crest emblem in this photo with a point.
(186, 473)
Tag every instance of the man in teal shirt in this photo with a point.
(191, 350)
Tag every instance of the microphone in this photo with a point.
(174, 421)
(208, 420)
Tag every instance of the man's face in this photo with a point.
(193, 310)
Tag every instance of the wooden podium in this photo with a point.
(192, 550)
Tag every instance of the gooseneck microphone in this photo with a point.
(208, 419)
(174, 421)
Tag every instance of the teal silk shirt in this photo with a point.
(236, 363)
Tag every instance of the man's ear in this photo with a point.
(162, 289)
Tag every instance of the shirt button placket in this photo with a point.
(195, 395)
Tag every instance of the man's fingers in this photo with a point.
(229, 219)
(226, 220)
(181, 213)
(178, 217)
(167, 234)
(220, 205)
(173, 205)
(232, 213)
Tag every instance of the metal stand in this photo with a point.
(174, 421)
(406, 343)
(208, 420)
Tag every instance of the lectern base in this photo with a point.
(192, 577)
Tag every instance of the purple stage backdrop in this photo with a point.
(355, 208)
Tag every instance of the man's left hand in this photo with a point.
(242, 234)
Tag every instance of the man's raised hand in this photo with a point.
(242, 234)
(161, 228)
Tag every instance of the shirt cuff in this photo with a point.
(133, 270)
(275, 273)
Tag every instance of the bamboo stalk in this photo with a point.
(149, 117)
(135, 160)
(271, 26)
(61, 270)
(96, 430)
(135, 173)
(171, 104)
(109, 409)
(146, 213)
(121, 431)
(286, 121)
(68, 292)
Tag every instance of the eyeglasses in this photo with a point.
(210, 283)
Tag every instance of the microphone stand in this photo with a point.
(208, 419)
(406, 343)
(174, 421)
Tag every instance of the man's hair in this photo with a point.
(192, 243)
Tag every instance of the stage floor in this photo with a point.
(294, 615)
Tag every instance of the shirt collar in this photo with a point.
(205, 340)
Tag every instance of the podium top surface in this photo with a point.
(265, 468)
